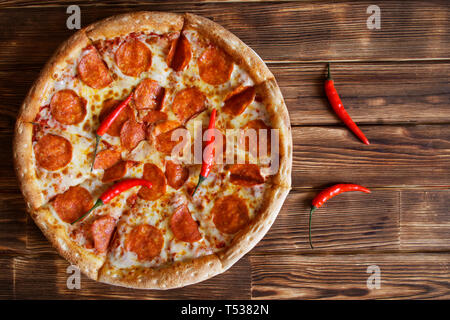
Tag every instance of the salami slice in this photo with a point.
(215, 66)
(183, 226)
(148, 95)
(176, 174)
(239, 100)
(154, 116)
(92, 70)
(146, 241)
(102, 230)
(53, 152)
(230, 214)
(117, 171)
(188, 103)
(257, 125)
(133, 57)
(247, 175)
(126, 114)
(72, 204)
(131, 134)
(155, 175)
(179, 54)
(67, 107)
(105, 159)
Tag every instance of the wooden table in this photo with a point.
(394, 82)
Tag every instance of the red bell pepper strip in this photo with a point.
(329, 193)
(338, 108)
(114, 191)
(208, 159)
(106, 124)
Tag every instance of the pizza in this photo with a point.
(143, 77)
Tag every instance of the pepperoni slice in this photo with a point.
(154, 116)
(53, 152)
(105, 159)
(179, 54)
(155, 175)
(188, 103)
(92, 70)
(215, 66)
(165, 144)
(117, 171)
(165, 126)
(176, 174)
(239, 100)
(246, 175)
(183, 226)
(230, 214)
(102, 230)
(67, 107)
(133, 57)
(148, 95)
(257, 125)
(126, 114)
(72, 204)
(146, 241)
(131, 134)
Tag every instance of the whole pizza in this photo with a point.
(106, 150)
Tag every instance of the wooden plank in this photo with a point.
(372, 93)
(425, 220)
(398, 156)
(7, 277)
(45, 277)
(403, 276)
(12, 223)
(287, 31)
(356, 222)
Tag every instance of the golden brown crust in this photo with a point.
(176, 275)
(248, 237)
(279, 118)
(142, 21)
(232, 45)
(86, 260)
(24, 164)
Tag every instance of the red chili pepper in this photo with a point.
(338, 108)
(329, 193)
(209, 157)
(106, 124)
(114, 191)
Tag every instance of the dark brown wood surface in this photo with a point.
(394, 82)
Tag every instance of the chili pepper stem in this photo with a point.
(310, 218)
(97, 204)
(200, 180)
(97, 141)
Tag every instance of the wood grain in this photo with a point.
(285, 31)
(356, 222)
(425, 220)
(403, 276)
(398, 156)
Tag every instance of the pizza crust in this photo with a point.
(86, 260)
(143, 21)
(279, 118)
(177, 275)
(232, 45)
(248, 237)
